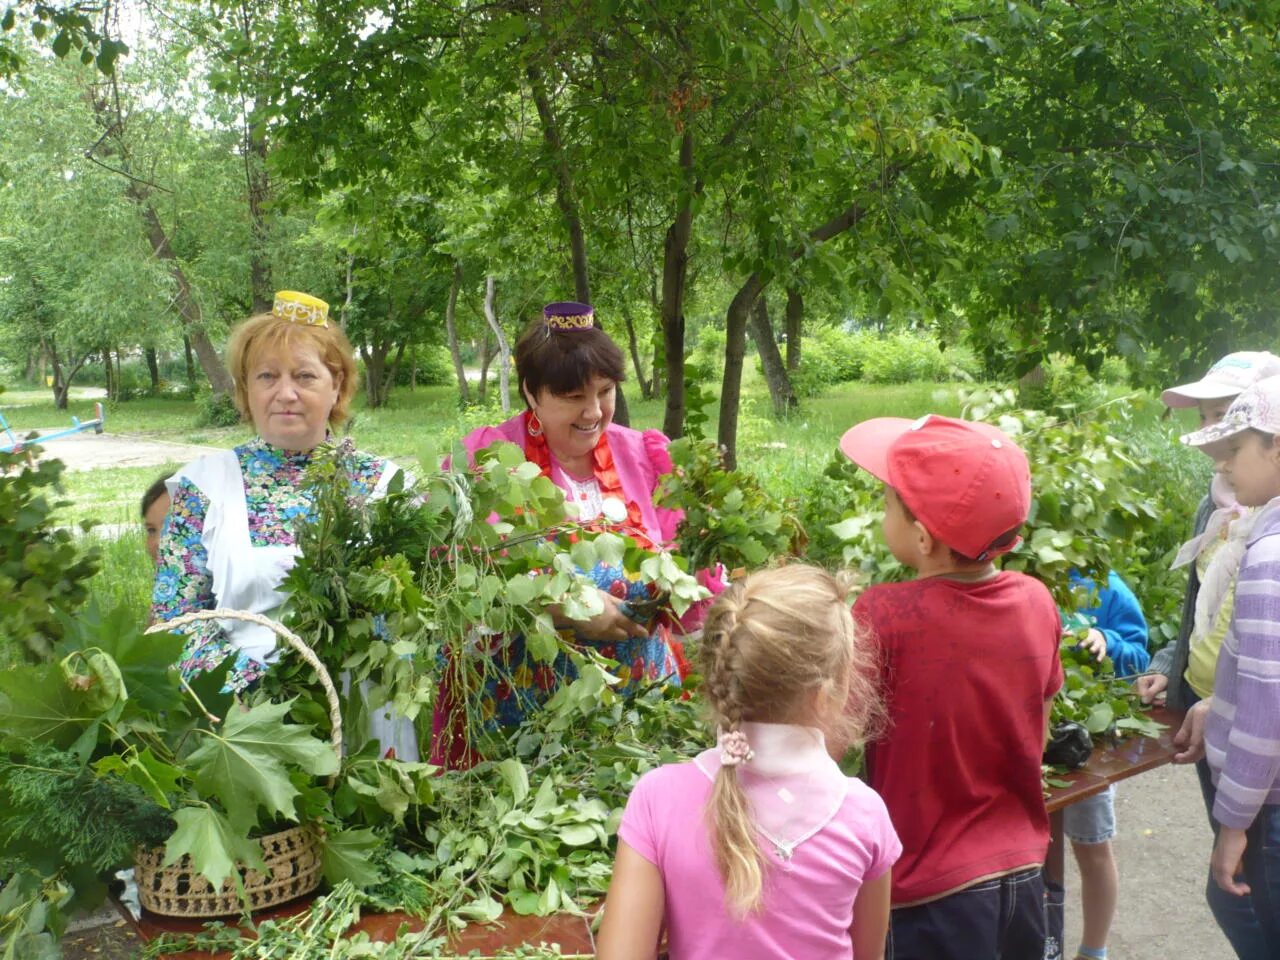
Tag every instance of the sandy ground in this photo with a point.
(92, 451)
(1162, 850)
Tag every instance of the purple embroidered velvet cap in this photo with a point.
(569, 315)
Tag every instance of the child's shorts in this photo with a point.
(1092, 820)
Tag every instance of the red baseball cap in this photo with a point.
(966, 481)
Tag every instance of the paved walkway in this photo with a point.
(92, 451)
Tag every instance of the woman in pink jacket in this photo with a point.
(569, 370)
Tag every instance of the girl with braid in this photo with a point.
(761, 847)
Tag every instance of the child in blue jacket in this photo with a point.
(1117, 629)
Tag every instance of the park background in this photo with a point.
(792, 215)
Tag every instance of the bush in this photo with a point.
(217, 411)
(831, 356)
(708, 353)
(906, 357)
(828, 356)
(1114, 372)
(1062, 386)
(435, 366)
(44, 571)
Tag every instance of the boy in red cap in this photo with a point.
(969, 665)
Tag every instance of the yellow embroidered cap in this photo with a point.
(301, 308)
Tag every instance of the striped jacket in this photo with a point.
(1242, 733)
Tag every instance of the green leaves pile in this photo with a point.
(1092, 697)
(533, 831)
(729, 517)
(392, 590)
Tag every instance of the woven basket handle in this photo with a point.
(285, 634)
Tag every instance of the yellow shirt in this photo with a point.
(1202, 657)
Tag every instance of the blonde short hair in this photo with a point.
(266, 332)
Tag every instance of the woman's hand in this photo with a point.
(610, 624)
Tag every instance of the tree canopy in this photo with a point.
(1087, 178)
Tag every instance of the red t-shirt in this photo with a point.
(966, 669)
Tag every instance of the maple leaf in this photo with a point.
(348, 855)
(246, 761)
(214, 845)
(38, 703)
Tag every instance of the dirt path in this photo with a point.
(91, 451)
(1162, 850)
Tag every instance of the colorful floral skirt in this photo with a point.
(517, 685)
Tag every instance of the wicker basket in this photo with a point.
(293, 870)
(292, 856)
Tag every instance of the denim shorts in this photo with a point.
(1092, 820)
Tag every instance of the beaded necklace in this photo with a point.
(537, 451)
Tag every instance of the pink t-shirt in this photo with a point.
(808, 900)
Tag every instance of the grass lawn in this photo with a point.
(781, 452)
(786, 454)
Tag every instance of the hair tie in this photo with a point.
(734, 748)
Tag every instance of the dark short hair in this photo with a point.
(154, 493)
(562, 361)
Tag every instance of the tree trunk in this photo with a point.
(191, 363)
(258, 182)
(188, 309)
(485, 357)
(113, 392)
(113, 123)
(59, 391)
(451, 328)
(62, 375)
(567, 201)
(659, 382)
(775, 371)
(740, 306)
(731, 386)
(119, 375)
(393, 372)
(795, 315)
(675, 269)
(645, 391)
(153, 368)
(504, 350)
(351, 289)
(566, 198)
(379, 375)
(29, 368)
(375, 363)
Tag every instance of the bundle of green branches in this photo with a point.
(50, 800)
(392, 591)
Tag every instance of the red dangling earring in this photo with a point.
(535, 425)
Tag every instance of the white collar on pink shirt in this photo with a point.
(794, 787)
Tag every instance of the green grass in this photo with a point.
(786, 454)
(127, 574)
(783, 452)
